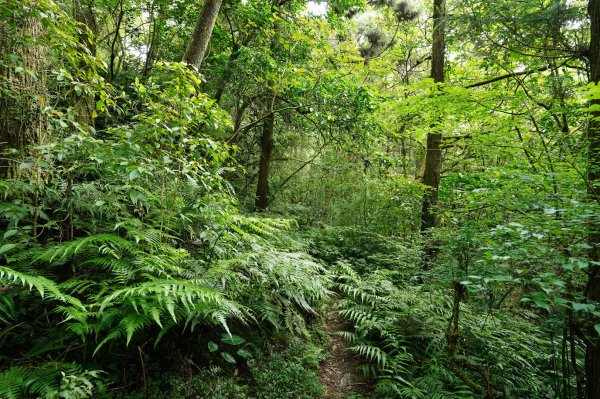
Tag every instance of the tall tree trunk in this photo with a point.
(433, 155)
(266, 150)
(83, 13)
(22, 121)
(266, 142)
(592, 356)
(198, 44)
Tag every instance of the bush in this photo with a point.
(365, 250)
(208, 384)
(291, 374)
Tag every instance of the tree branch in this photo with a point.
(513, 74)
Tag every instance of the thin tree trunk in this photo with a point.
(266, 151)
(592, 356)
(433, 155)
(113, 70)
(198, 43)
(266, 142)
(22, 121)
(153, 38)
(83, 13)
(431, 179)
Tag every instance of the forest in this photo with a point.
(294, 199)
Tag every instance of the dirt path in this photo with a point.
(340, 372)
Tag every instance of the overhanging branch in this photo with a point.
(514, 74)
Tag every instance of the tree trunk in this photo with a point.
(592, 358)
(266, 142)
(198, 44)
(431, 178)
(438, 47)
(22, 121)
(84, 104)
(433, 155)
(235, 53)
(156, 25)
(266, 150)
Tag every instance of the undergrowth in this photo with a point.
(400, 330)
(118, 250)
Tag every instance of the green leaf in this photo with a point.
(6, 248)
(228, 358)
(586, 307)
(10, 233)
(542, 304)
(597, 328)
(135, 196)
(246, 354)
(232, 339)
(171, 309)
(212, 347)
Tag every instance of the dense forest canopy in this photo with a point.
(287, 199)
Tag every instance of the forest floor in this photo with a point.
(340, 372)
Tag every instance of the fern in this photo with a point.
(44, 286)
(53, 380)
(279, 287)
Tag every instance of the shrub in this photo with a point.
(283, 378)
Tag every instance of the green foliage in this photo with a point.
(124, 246)
(280, 287)
(63, 72)
(286, 371)
(365, 250)
(363, 191)
(291, 374)
(116, 239)
(402, 335)
(207, 384)
(51, 381)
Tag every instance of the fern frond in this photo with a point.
(43, 285)
(370, 352)
(99, 243)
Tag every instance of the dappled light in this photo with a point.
(288, 199)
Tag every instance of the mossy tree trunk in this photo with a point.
(433, 155)
(83, 13)
(23, 94)
(198, 43)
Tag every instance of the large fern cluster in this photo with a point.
(280, 288)
(401, 332)
(112, 242)
(365, 250)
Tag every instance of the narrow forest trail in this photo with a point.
(340, 372)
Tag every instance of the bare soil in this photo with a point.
(340, 372)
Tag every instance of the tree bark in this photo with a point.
(433, 155)
(438, 47)
(268, 126)
(592, 357)
(84, 104)
(198, 43)
(266, 151)
(431, 179)
(22, 120)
